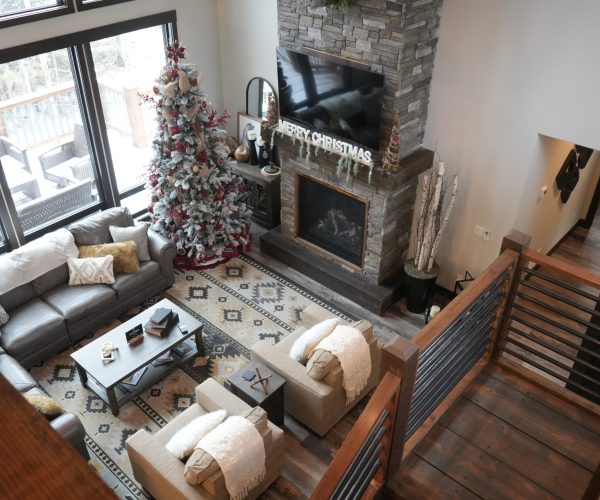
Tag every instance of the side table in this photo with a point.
(271, 402)
(264, 194)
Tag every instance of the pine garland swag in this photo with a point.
(196, 201)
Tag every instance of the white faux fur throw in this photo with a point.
(351, 349)
(238, 448)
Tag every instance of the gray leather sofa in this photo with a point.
(47, 315)
(67, 424)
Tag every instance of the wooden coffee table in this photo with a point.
(104, 377)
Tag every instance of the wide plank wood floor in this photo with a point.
(504, 439)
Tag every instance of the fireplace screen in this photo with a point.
(331, 220)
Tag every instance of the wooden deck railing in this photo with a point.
(518, 314)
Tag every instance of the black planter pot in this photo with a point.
(419, 287)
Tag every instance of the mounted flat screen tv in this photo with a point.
(330, 97)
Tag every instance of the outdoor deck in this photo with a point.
(504, 438)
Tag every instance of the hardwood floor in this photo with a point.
(504, 438)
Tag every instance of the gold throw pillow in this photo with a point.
(124, 253)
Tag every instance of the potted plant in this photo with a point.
(422, 270)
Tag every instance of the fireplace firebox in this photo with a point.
(332, 219)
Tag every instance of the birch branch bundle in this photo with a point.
(430, 224)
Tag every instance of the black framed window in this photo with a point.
(92, 4)
(14, 12)
(73, 136)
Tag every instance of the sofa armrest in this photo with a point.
(213, 396)
(162, 251)
(72, 430)
(157, 470)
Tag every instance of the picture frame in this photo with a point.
(244, 123)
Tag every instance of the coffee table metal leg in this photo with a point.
(112, 401)
(199, 341)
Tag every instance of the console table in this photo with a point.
(264, 194)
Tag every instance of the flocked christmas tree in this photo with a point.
(196, 200)
(391, 159)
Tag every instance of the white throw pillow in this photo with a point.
(91, 270)
(306, 343)
(36, 258)
(139, 234)
(4, 317)
(184, 441)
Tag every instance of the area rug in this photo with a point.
(240, 303)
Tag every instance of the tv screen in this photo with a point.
(330, 97)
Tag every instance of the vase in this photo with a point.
(419, 287)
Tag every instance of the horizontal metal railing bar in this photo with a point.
(358, 463)
(552, 335)
(363, 483)
(553, 348)
(425, 378)
(419, 414)
(559, 311)
(430, 397)
(428, 387)
(562, 284)
(559, 297)
(428, 358)
(549, 372)
(553, 361)
(565, 328)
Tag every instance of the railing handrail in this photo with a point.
(387, 392)
(572, 270)
(36, 96)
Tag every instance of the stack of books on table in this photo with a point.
(161, 322)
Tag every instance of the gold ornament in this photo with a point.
(195, 169)
(242, 153)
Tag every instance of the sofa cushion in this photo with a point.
(305, 344)
(35, 259)
(185, 439)
(93, 230)
(4, 316)
(75, 303)
(124, 253)
(51, 279)
(128, 284)
(18, 376)
(44, 404)
(91, 271)
(138, 233)
(17, 297)
(320, 363)
(33, 326)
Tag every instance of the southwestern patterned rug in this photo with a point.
(240, 302)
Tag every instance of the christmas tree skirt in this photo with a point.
(240, 302)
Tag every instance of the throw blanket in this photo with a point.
(36, 258)
(351, 349)
(238, 448)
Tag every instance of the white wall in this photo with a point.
(504, 73)
(247, 41)
(196, 22)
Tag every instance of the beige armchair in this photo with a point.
(317, 404)
(161, 473)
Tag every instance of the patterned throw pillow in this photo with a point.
(138, 233)
(4, 317)
(320, 363)
(91, 271)
(124, 253)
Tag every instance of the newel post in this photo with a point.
(401, 359)
(515, 241)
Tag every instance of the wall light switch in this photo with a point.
(482, 232)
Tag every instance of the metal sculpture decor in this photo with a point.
(568, 176)
(583, 155)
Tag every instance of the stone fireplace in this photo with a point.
(351, 232)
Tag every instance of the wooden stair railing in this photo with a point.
(359, 468)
